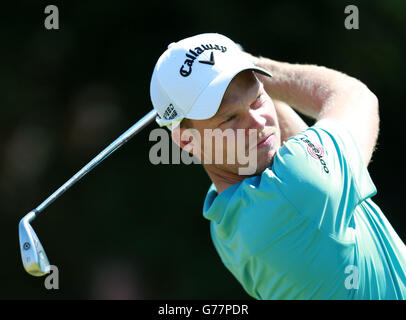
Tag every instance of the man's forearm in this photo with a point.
(307, 88)
(323, 93)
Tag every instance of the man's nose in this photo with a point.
(255, 121)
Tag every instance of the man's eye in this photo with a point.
(257, 102)
(229, 119)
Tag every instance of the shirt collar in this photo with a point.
(215, 205)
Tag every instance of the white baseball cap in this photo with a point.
(192, 75)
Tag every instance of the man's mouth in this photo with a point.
(264, 142)
(267, 141)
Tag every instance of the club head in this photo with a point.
(33, 254)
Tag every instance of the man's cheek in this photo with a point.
(251, 161)
(247, 157)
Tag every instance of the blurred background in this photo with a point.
(131, 229)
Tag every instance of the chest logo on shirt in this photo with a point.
(317, 152)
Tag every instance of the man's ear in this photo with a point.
(187, 139)
(182, 137)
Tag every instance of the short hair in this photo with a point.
(186, 123)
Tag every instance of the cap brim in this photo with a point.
(209, 101)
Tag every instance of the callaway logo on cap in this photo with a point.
(192, 75)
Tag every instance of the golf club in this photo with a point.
(33, 254)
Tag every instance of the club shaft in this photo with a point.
(122, 139)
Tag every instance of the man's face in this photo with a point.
(246, 106)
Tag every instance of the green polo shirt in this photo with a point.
(306, 228)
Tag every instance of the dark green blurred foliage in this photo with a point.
(131, 229)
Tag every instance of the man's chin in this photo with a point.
(261, 169)
(263, 165)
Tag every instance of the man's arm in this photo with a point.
(323, 93)
(290, 122)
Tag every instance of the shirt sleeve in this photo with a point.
(321, 174)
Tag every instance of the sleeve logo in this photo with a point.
(317, 152)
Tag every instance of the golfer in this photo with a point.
(302, 224)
